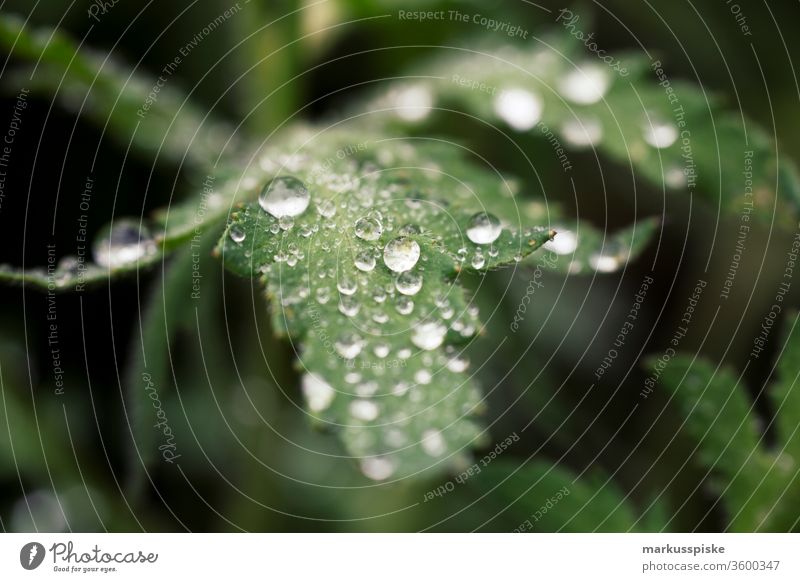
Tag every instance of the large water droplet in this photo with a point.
(401, 254)
(408, 283)
(520, 108)
(319, 394)
(604, 263)
(124, 242)
(586, 85)
(483, 228)
(349, 345)
(284, 196)
(368, 228)
(428, 335)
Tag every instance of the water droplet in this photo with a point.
(286, 222)
(381, 350)
(564, 243)
(404, 305)
(582, 133)
(349, 306)
(413, 103)
(478, 260)
(408, 283)
(586, 85)
(365, 261)
(368, 228)
(377, 468)
(675, 177)
(483, 228)
(319, 394)
(433, 443)
(346, 285)
(457, 364)
(124, 242)
(520, 108)
(428, 335)
(365, 410)
(410, 229)
(659, 134)
(327, 208)
(349, 345)
(284, 196)
(423, 377)
(401, 254)
(604, 263)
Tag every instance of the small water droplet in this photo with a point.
(365, 261)
(368, 228)
(365, 410)
(660, 135)
(433, 443)
(346, 285)
(404, 305)
(318, 393)
(585, 85)
(401, 254)
(327, 208)
(520, 108)
(483, 228)
(603, 263)
(413, 103)
(381, 350)
(124, 242)
(349, 306)
(408, 283)
(564, 243)
(581, 133)
(284, 196)
(423, 377)
(349, 345)
(478, 260)
(377, 468)
(428, 335)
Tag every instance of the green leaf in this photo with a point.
(757, 485)
(585, 249)
(667, 130)
(149, 114)
(379, 345)
(547, 498)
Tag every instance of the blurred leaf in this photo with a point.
(144, 112)
(757, 485)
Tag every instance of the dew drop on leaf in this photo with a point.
(483, 228)
(404, 305)
(428, 335)
(377, 468)
(368, 228)
(365, 410)
(401, 254)
(520, 108)
(284, 196)
(123, 242)
(660, 135)
(365, 261)
(433, 443)
(349, 345)
(564, 243)
(408, 283)
(318, 393)
(581, 133)
(586, 85)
